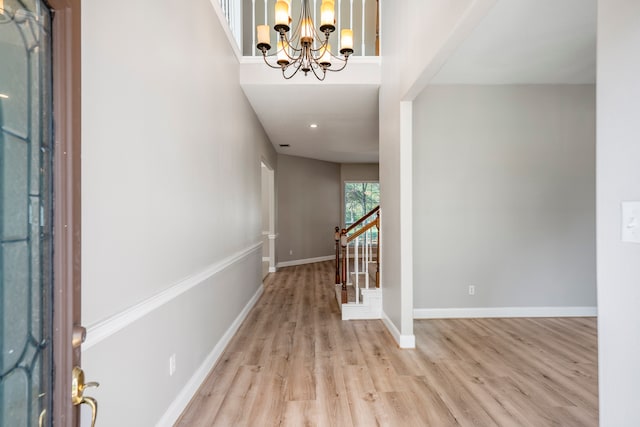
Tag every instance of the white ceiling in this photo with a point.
(518, 42)
(344, 106)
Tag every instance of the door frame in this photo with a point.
(271, 200)
(67, 213)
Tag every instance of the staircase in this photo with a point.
(357, 268)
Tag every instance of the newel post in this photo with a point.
(343, 243)
(336, 236)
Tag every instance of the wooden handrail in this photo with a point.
(363, 219)
(363, 230)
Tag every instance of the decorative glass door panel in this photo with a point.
(26, 288)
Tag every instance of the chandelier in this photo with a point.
(305, 48)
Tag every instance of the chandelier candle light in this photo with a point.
(305, 49)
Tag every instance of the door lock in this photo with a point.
(77, 392)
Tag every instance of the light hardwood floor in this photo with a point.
(295, 363)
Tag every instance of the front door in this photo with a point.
(26, 214)
(39, 211)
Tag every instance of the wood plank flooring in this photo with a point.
(295, 363)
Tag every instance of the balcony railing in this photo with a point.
(232, 10)
(362, 16)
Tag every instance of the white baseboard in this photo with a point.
(305, 261)
(191, 387)
(272, 269)
(484, 312)
(403, 341)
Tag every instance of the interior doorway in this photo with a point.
(268, 220)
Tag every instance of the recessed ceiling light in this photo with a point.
(313, 125)
(3, 96)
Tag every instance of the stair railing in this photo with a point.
(363, 240)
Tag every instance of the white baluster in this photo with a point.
(369, 257)
(266, 19)
(365, 255)
(253, 26)
(364, 6)
(232, 18)
(339, 19)
(371, 247)
(348, 269)
(351, 16)
(355, 262)
(315, 21)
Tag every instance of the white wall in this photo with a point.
(171, 199)
(618, 179)
(504, 197)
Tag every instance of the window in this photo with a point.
(359, 198)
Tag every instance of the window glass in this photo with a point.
(359, 198)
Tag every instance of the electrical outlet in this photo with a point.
(172, 364)
(472, 289)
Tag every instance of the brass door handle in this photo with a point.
(77, 392)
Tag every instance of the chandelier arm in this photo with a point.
(293, 58)
(294, 73)
(264, 56)
(323, 47)
(286, 42)
(341, 68)
(297, 30)
(324, 72)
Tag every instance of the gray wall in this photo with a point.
(618, 180)
(359, 172)
(170, 190)
(504, 196)
(308, 202)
